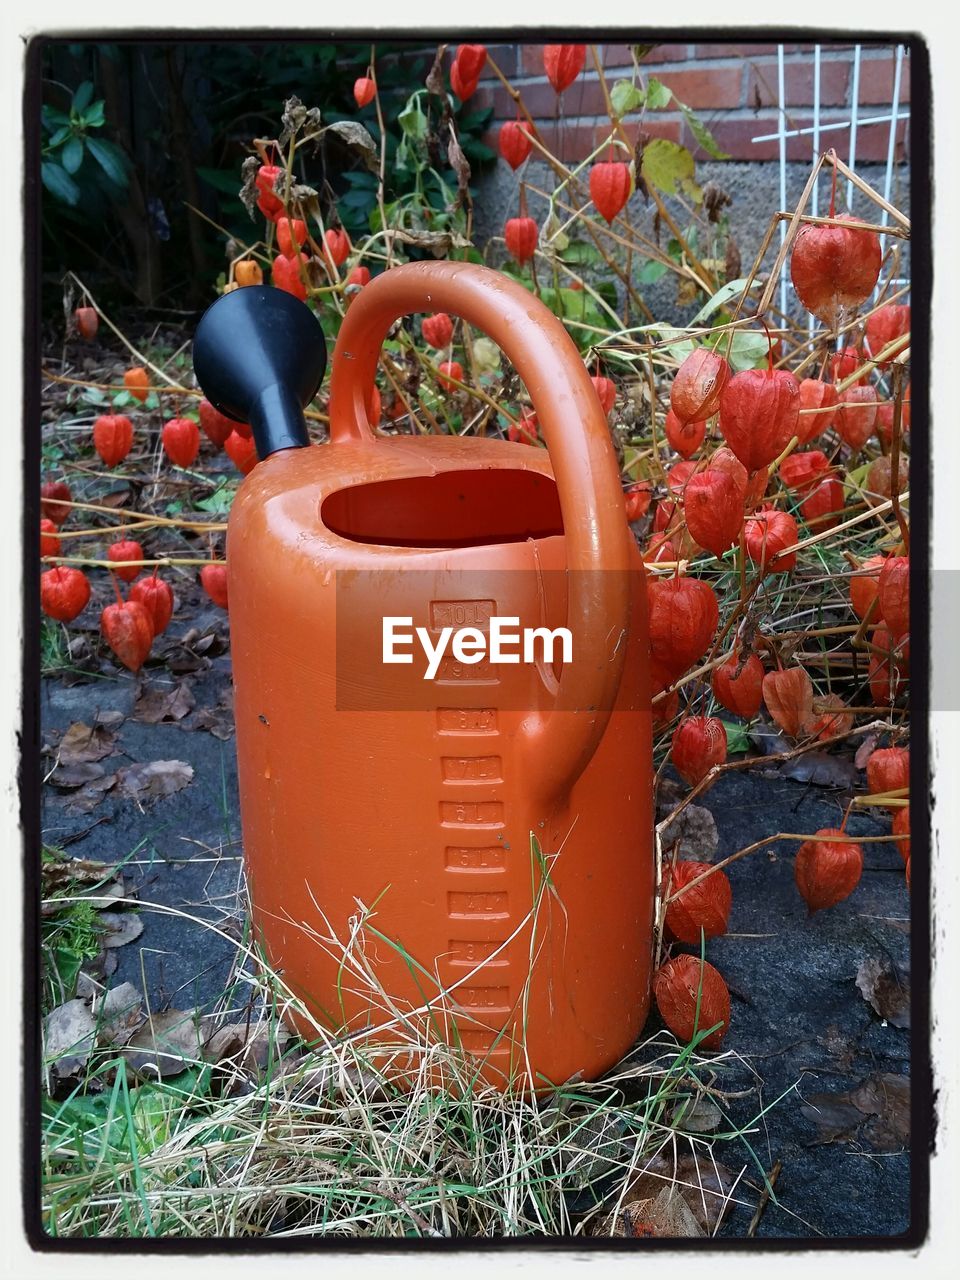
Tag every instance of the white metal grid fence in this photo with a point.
(820, 127)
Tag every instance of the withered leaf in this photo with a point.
(704, 1183)
(438, 242)
(358, 139)
(158, 778)
(89, 796)
(121, 926)
(876, 1111)
(434, 80)
(884, 990)
(251, 1045)
(732, 263)
(75, 775)
(159, 706)
(670, 1215)
(699, 1115)
(69, 1034)
(118, 1012)
(166, 1044)
(866, 750)
(715, 199)
(696, 830)
(67, 871)
(821, 769)
(249, 192)
(461, 167)
(218, 720)
(84, 743)
(295, 117)
(886, 1098)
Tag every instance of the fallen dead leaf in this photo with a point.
(886, 1098)
(884, 990)
(876, 1111)
(76, 775)
(821, 769)
(118, 1013)
(152, 781)
(83, 744)
(121, 927)
(249, 1045)
(701, 1115)
(166, 1044)
(69, 1035)
(866, 750)
(217, 720)
(705, 1184)
(68, 871)
(164, 706)
(667, 1214)
(89, 796)
(670, 1215)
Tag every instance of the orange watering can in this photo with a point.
(441, 690)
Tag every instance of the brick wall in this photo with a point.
(732, 87)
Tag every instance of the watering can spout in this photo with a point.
(259, 356)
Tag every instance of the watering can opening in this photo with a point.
(450, 509)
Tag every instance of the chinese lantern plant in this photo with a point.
(827, 868)
(834, 267)
(698, 900)
(128, 630)
(693, 1000)
(698, 745)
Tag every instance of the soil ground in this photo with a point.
(800, 1027)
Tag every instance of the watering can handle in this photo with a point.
(598, 551)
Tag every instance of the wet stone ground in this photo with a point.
(800, 1026)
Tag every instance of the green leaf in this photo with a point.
(652, 271)
(71, 157)
(93, 116)
(82, 97)
(679, 347)
(62, 134)
(582, 252)
(412, 119)
(220, 501)
(607, 290)
(748, 350)
(737, 739)
(666, 165)
(702, 134)
(721, 298)
(53, 118)
(625, 97)
(59, 183)
(110, 159)
(658, 95)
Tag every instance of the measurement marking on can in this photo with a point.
(451, 671)
(471, 768)
(461, 613)
(469, 952)
(466, 720)
(469, 858)
(476, 1040)
(477, 905)
(491, 999)
(471, 813)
